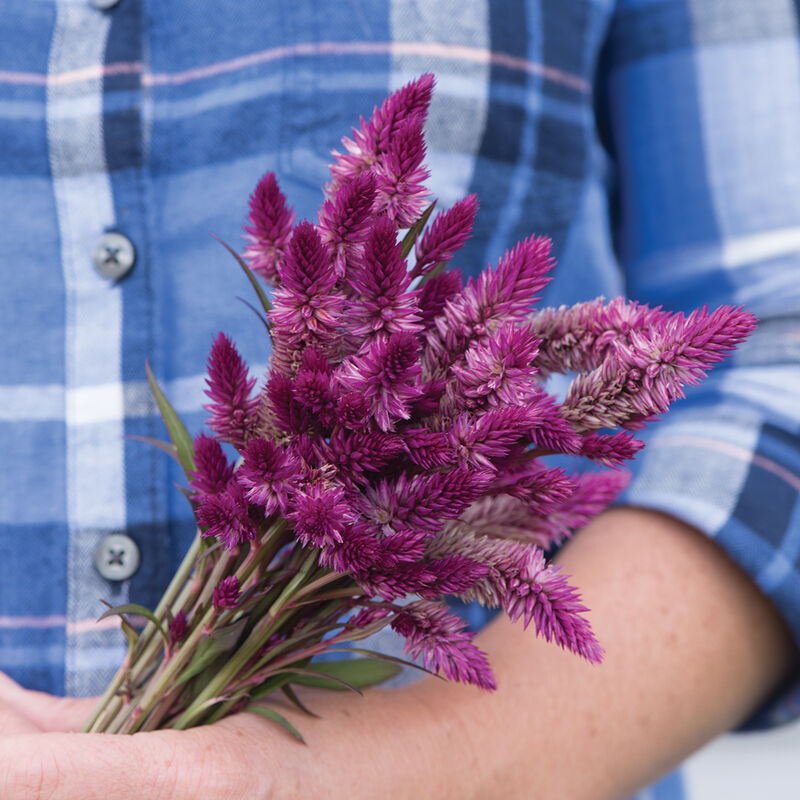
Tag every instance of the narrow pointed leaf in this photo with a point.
(356, 673)
(167, 447)
(383, 657)
(130, 634)
(270, 713)
(263, 319)
(177, 431)
(133, 608)
(296, 701)
(262, 296)
(432, 273)
(416, 229)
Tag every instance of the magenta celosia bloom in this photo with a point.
(226, 593)
(380, 302)
(503, 294)
(642, 378)
(374, 137)
(269, 474)
(398, 449)
(306, 307)
(226, 517)
(233, 410)
(270, 227)
(178, 628)
(386, 374)
(212, 471)
(439, 637)
(320, 514)
(345, 221)
(446, 236)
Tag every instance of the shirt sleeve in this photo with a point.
(701, 111)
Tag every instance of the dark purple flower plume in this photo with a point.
(436, 292)
(226, 517)
(446, 235)
(212, 470)
(233, 410)
(345, 220)
(380, 301)
(269, 475)
(439, 637)
(226, 593)
(386, 375)
(374, 137)
(270, 227)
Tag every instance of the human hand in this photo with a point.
(23, 711)
(41, 756)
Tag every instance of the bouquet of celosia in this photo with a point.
(396, 453)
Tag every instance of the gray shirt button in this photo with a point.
(116, 557)
(113, 256)
(104, 5)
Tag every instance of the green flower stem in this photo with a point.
(161, 684)
(149, 633)
(249, 648)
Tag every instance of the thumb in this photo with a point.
(45, 711)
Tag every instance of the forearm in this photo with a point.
(692, 648)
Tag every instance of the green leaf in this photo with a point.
(133, 608)
(262, 296)
(211, 647)
(432, 273)
(264, 320)
(383, 657)
(349, 673)
(296, 701)
(130, 634)
(271, 713)
(416, 229)
(168, 448)
(176, 429)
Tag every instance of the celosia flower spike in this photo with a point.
(446, 235)
(401, 175)
(212, 470)
(380, 301)
(233, 410)
(643, 378)
(436, 292)
(439, 637)
(226, 517)
(374, 137)
(498, 296)
(226, 593)
(386, 375)
(269, 475)
(269, 230)
(306, 305)
(344, 221)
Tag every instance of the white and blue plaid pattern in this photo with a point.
(657, 142)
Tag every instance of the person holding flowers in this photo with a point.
(548, 115)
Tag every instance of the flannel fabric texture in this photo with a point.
(655, 142)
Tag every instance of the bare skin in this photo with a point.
(692, 648)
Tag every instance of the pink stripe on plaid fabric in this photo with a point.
(52, 621)
(477, 55)
(735, 451)
(57, 621)
(91, 73)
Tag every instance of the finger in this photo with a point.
(202, 763)
(12, 722)
(44, 711)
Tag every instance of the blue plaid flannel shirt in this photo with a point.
(656, 142)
